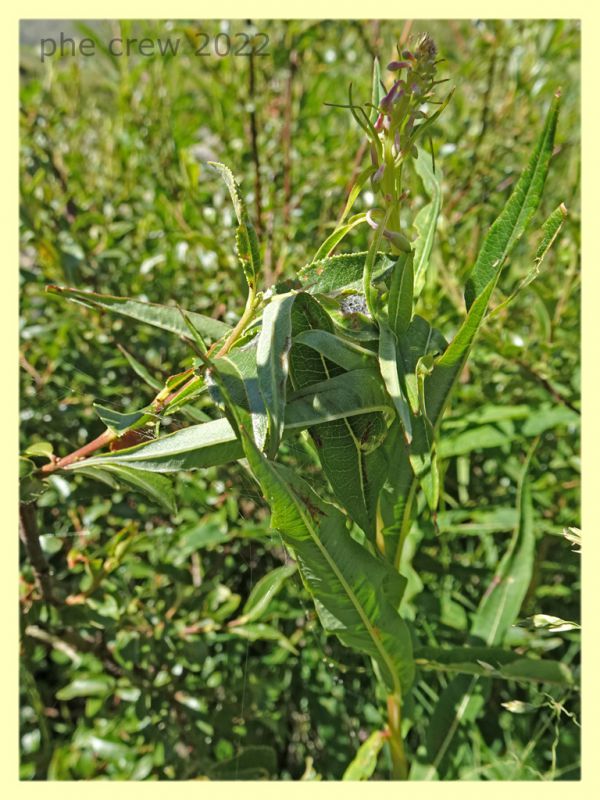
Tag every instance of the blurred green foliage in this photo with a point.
(143, 670)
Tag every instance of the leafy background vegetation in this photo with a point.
(139, 672)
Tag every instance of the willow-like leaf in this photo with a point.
(168, 318)
(501, 603)
(400, 301)
(272, 358)
(497, 611)
(356, 189)
(347, 397)
(117, 421)
(426, 220)
(341, 231)
(347, 447)
(344, 353)
(493, 662)
(388, 366)
(550, 232)
(339, 272)
(157, 487)
(239, 369)
(246, 239)
(356, 594)
(517, 213)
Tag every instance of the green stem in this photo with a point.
(370, 261)
(406, 523)
(399, 761)
(239, 328)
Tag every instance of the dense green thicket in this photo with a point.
(141, 673)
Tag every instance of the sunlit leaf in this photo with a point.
(364, 763)
(167, 318)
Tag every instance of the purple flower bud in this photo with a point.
(389, 97)
(408, 54)
(395, 66)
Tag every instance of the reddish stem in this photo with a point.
(100, 441)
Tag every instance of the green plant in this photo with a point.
(342, 358)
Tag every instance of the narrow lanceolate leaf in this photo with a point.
(388, 366)
(457, 705)
(246, 243)
(370, 260)
(246, 240)
(411, 465)
(274, 343)
(168, 318)
(356, 594)
(347, 447)
(344, 353)
(140, 370)
(260, 631)
(195, 387)
(196, 447)
(423, 450)
(419, 340)
(239, 370)
(426, 220)
(233, 187)
(377, 90)
(263, 593)
(550, 231)
(349, 397)
(344, 271)
(497, 611)
(448, 366)
(395, 505)
(343, 396)
(493, 662)
(354, 192)
(338, 234)
(501, 603)
(117, 421)
(504, 232)
(156, 487)
(514, 219)
(195, 333)
(364, 762)
(415, 350)
(400, 302)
